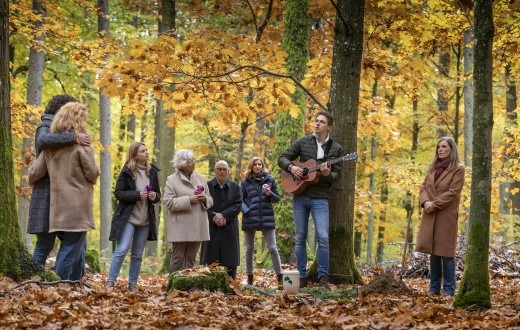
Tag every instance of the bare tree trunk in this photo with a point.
(105, 195)
(34, 97)
(474, 287)
(344, 100)
(15, 260)
(468, 97)
(164, 134)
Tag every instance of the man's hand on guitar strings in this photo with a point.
(325, 169)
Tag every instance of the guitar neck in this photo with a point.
(330, 162)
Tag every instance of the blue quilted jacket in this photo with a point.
(257, 207)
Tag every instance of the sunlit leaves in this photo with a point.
(222, 72)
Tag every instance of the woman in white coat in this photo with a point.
(187, 198)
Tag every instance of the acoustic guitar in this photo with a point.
(295, 185)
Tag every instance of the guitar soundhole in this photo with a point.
(305, 171)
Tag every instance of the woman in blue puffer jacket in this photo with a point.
(259, 192)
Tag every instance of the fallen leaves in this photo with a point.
(76, 306)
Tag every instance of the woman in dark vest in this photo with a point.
(259, 192)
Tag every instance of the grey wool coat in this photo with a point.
(73, 173)
(438, 230)
(186, 222)
(39, 206)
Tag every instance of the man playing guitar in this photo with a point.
(314, 199)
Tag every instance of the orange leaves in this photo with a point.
(205, 72)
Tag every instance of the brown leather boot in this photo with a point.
(279, 277)
(250, 279)
(303, 282)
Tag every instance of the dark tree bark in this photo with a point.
(344, 100)
(15, 260)
(474, 287)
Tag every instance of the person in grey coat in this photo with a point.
(38, 222)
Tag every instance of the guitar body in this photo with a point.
(295, 185)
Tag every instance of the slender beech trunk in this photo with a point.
(34, 98)
(105, 195)
(474, 287)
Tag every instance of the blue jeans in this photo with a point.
(71, 255)
(137, 236)
(319, 208)
(44, 246)
(442, 267)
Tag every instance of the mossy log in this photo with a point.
(215, 280)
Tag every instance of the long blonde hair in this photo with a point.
(130, 159)
(72, 117)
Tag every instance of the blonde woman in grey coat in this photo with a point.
(187, 198)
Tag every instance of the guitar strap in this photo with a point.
(327, 149)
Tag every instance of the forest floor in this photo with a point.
(403, 305)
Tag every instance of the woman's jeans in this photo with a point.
(137, 236)
(319, 208)
(44, 246)
(270, 240)
(442, 267)
(70, 260)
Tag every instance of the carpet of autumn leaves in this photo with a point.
(35, 305)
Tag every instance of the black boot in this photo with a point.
(279, 277)
(250, 279)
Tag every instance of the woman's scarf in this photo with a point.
(440, 166)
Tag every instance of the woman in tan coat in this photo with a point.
(73, 172)
(187, 198)
(439, 197)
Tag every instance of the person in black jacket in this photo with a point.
(223, 246)
(134, 222)
(314, 200)
(39, 207)
(259, 192)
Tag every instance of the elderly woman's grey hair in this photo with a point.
(182, 158)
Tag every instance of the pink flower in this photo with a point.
(200, 188)
(265, 186)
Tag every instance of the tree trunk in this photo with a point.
(468, 97)
(372, 189)
(164, 148)
(382, 218)
(344, 100)
(105, 194)
(296, 39)
(474, 287)
(15, 260)
(34, 98)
